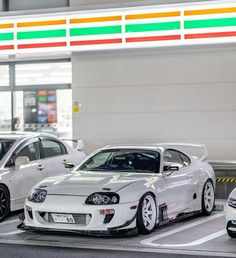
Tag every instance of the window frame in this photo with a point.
(12, 88)
(62, 147)
(10, 162)
(179, 155)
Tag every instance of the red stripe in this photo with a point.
(95, 42)
(210, 35)
(154, 38)
(6, 47)
(42, 45)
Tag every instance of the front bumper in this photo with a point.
(230, 214)
(108, 233)
(88, 218)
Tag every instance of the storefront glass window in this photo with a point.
(43, 73)
(4, 75)
(5, 111)
(44, 111)
(16, 5)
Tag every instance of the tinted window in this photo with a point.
(29, 151)
(5, 145)
(185, 159)
(123, 160)
(52, 148)
(172, 156)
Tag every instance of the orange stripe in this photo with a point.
(96, 19)
(151, 15)
(41, 23)
(211, 11)
(6, 26)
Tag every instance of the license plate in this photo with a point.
(63, 218)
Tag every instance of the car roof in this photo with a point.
(11, 135)
(135, 146)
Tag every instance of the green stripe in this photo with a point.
(41, 34)
(95, 31)
(223, 22)
(7, 36)
(152, 26)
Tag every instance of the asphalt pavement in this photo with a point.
(24, 251)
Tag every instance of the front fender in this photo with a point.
(134, 191)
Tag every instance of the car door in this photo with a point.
(54, 156)
(25, 176)
(178, 184)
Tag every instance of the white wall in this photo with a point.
(157, 95)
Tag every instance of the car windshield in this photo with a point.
(5, 145)
(122, 160)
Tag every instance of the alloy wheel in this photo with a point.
(149, 212)
(209, 198)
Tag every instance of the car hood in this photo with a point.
(86, 183)
(233, 194)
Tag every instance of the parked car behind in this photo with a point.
(230, 212)
(27, 158)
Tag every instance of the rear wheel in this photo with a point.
(208, 198)
(4, 203)
(146, 214)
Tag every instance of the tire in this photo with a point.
(4, 203)
(231, 234)
(146, 214)
(208, 198)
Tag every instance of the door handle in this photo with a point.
(40, 167)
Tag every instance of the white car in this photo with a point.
(26, 159)
(230, 212)
(123, 189)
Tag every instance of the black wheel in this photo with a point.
(146, 214)
(4, 203)
(231, 233)
(208, 198)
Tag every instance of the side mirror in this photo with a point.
(170, 169)
(80, 145)
(69, 165)
(23, 160)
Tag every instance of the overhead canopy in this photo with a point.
(154, 26)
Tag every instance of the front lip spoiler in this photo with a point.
(126, 224)
(103, 233)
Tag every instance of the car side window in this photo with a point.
(31, 151)
(172, 156)
(53, 148)
(186, 159)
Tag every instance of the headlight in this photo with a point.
(37, 195)
(232, 202)
(103, 198)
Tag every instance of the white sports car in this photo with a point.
(230, 212)
(123, 189)
(27, 158)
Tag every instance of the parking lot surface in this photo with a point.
(197, 235)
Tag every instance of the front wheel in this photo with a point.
(208, 198)
(146, 214)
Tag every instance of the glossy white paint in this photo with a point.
(67, 193)
(20, 180)
(230, 212)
